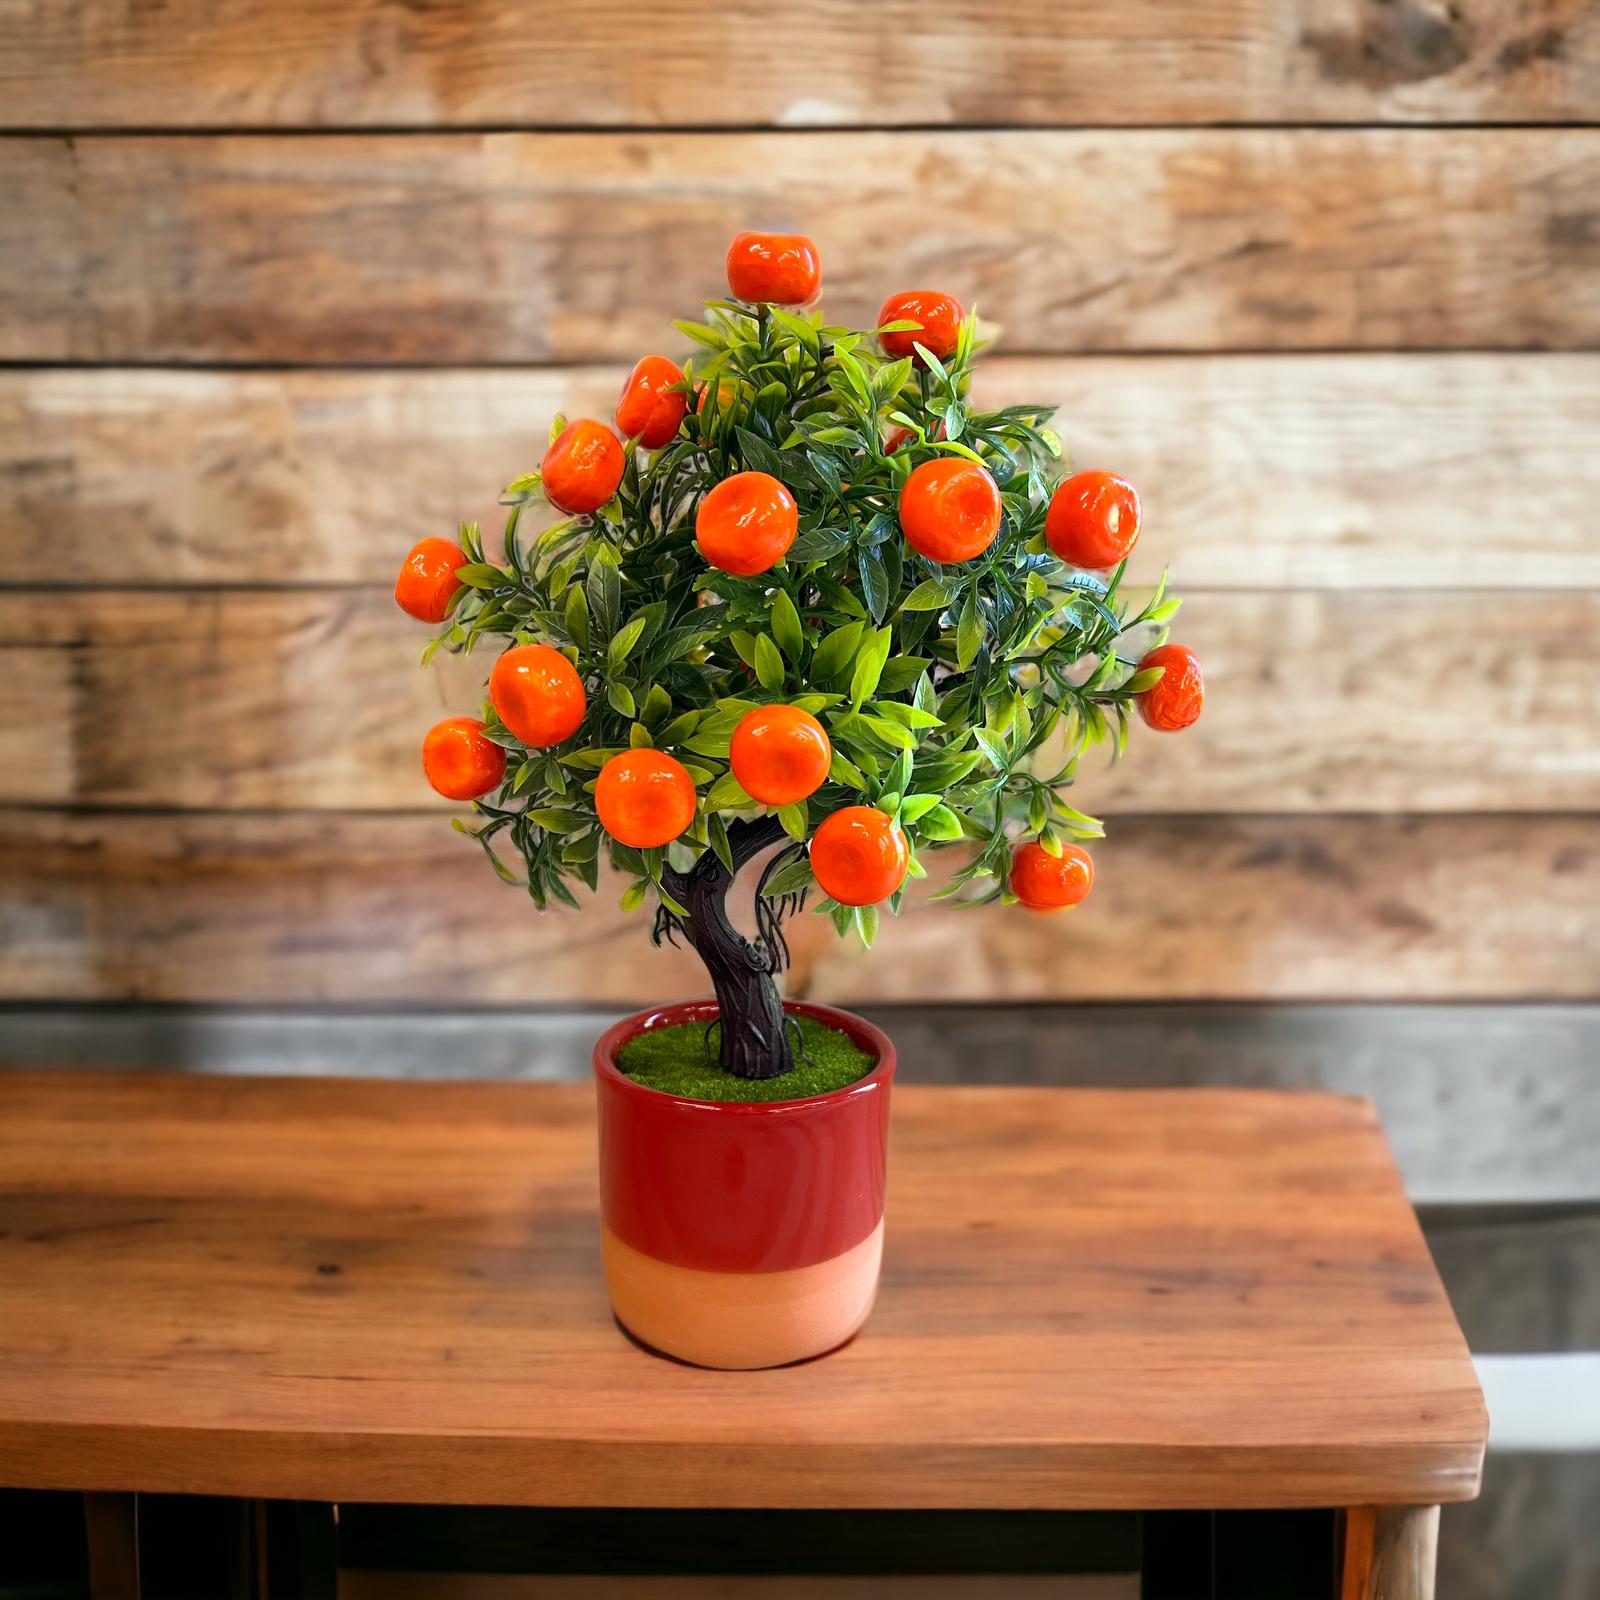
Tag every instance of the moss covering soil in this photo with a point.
(682, 1060)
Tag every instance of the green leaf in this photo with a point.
(620, 698)
(768, 663)
(969, 634)
(869, 665)
(559, 821)
(793, 818)
(837, 649)
(657, 703)
(786, 627)
(633, 895)
(577, 617)
(867, 924)
(916, 806)
(932, 594)
(717, 833)
(874, 582)
(793, 876)
(480, 575)
(624, 640)
(727, 794)
(845, 772)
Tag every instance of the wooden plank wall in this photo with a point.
(285, 284)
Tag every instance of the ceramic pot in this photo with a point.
(739, 1235)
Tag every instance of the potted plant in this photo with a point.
(804, 606)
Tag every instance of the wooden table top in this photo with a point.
(341, 1290)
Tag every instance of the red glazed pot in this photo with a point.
(738, 1235)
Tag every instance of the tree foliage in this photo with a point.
(959, 699)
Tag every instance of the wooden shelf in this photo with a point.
(336, 1290)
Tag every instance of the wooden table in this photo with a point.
(329, 1291)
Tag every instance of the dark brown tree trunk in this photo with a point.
(755, 1038)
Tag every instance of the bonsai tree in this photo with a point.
(813, 599)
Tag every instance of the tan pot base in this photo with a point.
(740, 1320)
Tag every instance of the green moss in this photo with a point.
(679, 1060)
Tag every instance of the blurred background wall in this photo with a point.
(286, 284)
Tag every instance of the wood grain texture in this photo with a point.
(1390, 1553)
(101, 63)
(574, 247)
(1482, 1104)
(391, 1292)
(313, 700)
(306, 908)
(1312, 471)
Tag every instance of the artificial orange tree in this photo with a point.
(812, 598)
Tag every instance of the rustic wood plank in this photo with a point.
(1086, 1293)
(573, 247)
(1313, 471)
(1484, 1105)
(307, 908)
(313, 700)
(101, 63)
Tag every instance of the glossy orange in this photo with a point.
(459, 761)
(950, 509)
(644, 798)
(537, 693)
(650, 409)
(1176, 698)
(782, 269)
(746, 524)
(780, 754)
(582, 468)
(859, 856)
(1093, 520)
(941, 316)
(1043, 882)
(428, 579)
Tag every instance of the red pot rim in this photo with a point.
(858, 1030)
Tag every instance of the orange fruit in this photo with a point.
(1043, 882)
(1176, 698)
(644, 798)
(537, 693)
(582, 468)
(459, 761)
(746, 524)
(941, 316)
(650, 409)
(859, 856)
(1093, 520)
(428, 579)
(950, 509)
(782, 269)
(780, 754)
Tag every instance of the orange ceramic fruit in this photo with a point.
(537, 693)
(428, 579)
(859, 856)
(950, 509)
(644, 798)
(582, 469)
(650, 409)
(782, 269)
(941, 316)
(780, 754)
(459, 762)
(1093, 520)
(1175, 699)
(746, 524)
(1043, 882)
